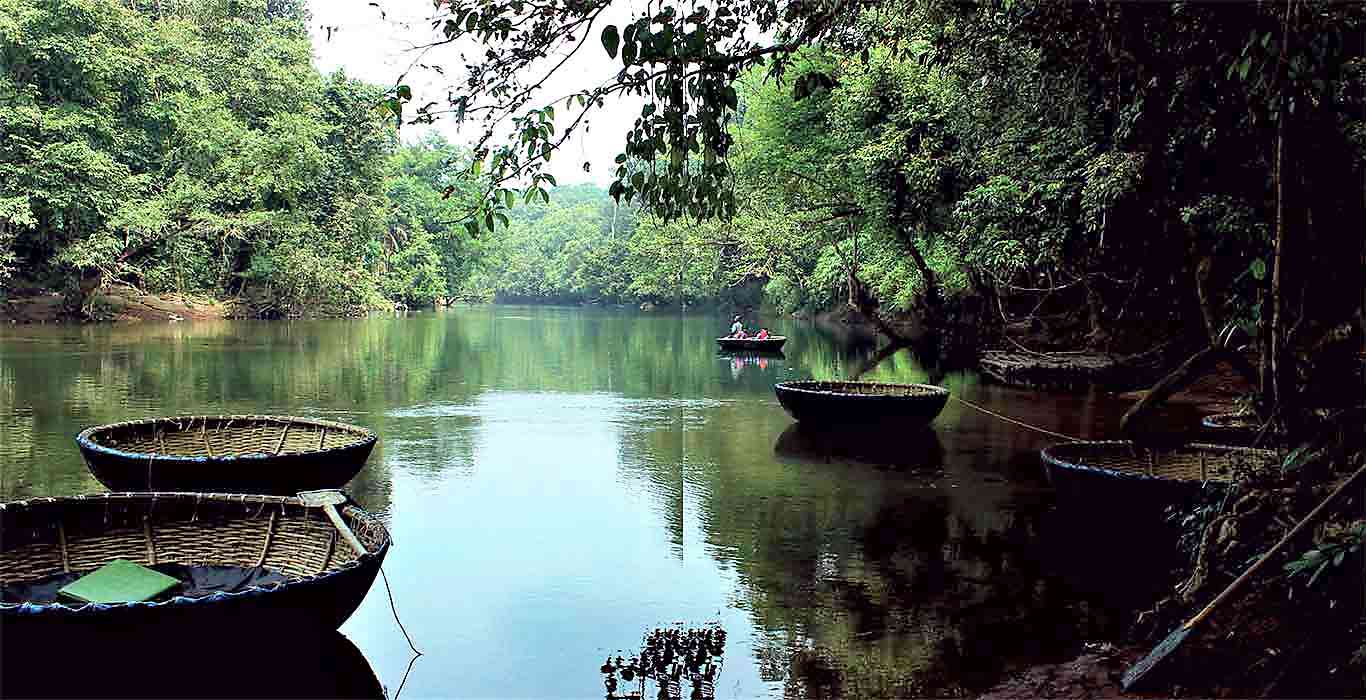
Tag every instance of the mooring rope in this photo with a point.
(402, 629)
(394, 608)
(1008, 419)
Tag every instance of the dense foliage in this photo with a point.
(191, 146)
(1172, 167)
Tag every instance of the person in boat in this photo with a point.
(763, 334)
(737, 329)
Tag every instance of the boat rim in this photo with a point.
(86, 439)
(796, 387)
(1050, 458)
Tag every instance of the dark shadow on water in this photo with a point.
(901, 448)
(275, 664)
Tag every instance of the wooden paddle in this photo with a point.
(1136, 673)
(328, 500)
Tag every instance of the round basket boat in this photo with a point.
(1119, 474)
(769, 344)
(313, 579)
(278, 455)
(845, 403)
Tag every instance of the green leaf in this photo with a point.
(404, 92)
(1258, 269)
(611, 39)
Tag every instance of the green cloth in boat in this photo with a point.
(119, 581)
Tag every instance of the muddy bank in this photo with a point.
(1094, 674)
(115, 305)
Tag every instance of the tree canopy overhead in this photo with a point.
(1140, 160)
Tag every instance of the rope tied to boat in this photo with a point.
(1008, 419)
(394, 609)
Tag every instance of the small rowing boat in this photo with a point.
(772, 343)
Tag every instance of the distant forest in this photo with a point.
(191, 146)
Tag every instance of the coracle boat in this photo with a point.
(1119, 475)
(247, 566)
(860, 403)
(772, 343)
(278, 455)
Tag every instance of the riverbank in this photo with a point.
(115, 305)
(1097, 673)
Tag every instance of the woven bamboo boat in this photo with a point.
(318, 579)
(1120, 474)
(770, 344)
(279, 455)
(845, 403)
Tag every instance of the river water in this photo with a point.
(559, 482)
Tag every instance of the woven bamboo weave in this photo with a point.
(43, 537)
(226, 436)
(1191, 463)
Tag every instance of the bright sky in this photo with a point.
(379, 50)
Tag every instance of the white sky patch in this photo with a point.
(379, 50)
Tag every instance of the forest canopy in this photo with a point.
(1092, 167)
(191, 146)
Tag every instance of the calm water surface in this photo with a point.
(559, 481)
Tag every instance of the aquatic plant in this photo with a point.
(669, 657)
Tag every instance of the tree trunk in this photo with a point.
(933, 299)
(1275, 391)
(862, 301)
(1203, 271)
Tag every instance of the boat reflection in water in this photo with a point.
(279, 663)
(913, 449)
(740, 360)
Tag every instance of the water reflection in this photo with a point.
(277, 664)
(760, 361)
(557, 480)
(916, 449)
